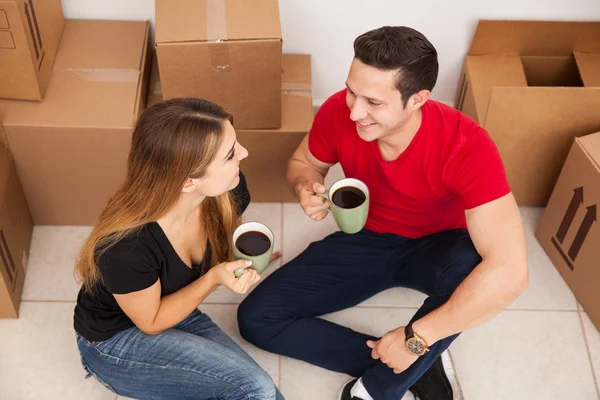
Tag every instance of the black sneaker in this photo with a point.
(345, 393)
(438, 382)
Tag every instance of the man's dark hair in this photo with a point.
(403, 49)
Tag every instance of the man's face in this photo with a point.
(375, 102)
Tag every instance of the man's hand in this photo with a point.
(314, 206)
(390, 349)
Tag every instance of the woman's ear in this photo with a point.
(188, 186)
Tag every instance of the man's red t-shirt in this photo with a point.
(450, 166)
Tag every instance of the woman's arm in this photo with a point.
(153, 314)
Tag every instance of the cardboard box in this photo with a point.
(155, 86)
(29, 35)
(271, 149)
(71, 149)
(569, 230)
(225, 51)
(16, 228)
(534, 86)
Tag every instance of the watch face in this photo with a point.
(415, 346)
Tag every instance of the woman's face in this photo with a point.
(223, 174)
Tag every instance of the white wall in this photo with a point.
(326, 28)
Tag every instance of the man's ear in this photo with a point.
(418, 99)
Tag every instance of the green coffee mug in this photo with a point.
(350, 216)
(254, 240)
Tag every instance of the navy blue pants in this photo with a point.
(339, 272)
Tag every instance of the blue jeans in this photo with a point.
(193, 360)
(339, 272)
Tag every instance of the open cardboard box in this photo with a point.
(534, 86)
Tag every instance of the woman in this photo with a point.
(158, 249)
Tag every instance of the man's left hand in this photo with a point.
(390, 349)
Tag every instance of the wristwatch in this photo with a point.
(415, 344)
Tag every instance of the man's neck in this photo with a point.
(395, 143)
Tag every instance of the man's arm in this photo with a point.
(497, 233)
(305, 177)
(303, 168)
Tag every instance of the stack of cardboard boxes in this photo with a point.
(71, 91)
(229, 52)
(535, 87)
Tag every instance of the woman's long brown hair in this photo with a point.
(172, 141)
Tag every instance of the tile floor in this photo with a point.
(541, 348)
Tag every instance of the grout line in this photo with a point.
(279, 374)
(589, 353)
(48, 301)
(461, 392)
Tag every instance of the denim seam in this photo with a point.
(118, 359)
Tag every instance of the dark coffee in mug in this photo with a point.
(253, 243)
(348, 197)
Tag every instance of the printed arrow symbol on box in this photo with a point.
(570, 214)
(584, 229)
(33, 39)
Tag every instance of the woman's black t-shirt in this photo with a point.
(136, 263)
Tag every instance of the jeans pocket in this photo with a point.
(91, 373)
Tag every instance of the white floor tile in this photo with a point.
(302, 381)
(547, 289)
(225, 316)
(52, 255)
(525, 355)
(269, 214)
(593, 338)
(396, 297)
(299, 230)
(39, 357)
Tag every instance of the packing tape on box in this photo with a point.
(114, 75)
(291, 86)
(216, 34)
(301, 93)
(216, 21)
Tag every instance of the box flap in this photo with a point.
(535, 38)
(486, 72)
(95, 78)
(589, 68)
(201, 20)
(591, 145)
(541, 143)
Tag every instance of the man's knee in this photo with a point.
(254, 320)
(462, 261)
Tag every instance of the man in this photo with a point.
(442, 220)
